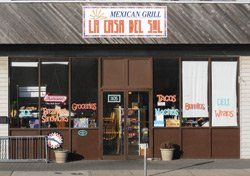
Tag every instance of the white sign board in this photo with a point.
(114, 98)
(55, 140)
(195, 88)
(224, 98)
(31, 92)
(124, 21)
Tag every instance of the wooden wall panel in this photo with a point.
(166, 134)
(113, 73)
(22, 132)
(85, 147)
(24, 149)
(196, 143)
(225, 143)
(140, 73)
(61, 23)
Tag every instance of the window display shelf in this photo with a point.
(131, 129)
(133, 144)
(135, 137)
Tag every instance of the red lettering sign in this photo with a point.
(55, 98)
(54, 115)
(166, 98)
(135, 26)
(154, 26)
(221, 113)
(84, 106)
(194, 106)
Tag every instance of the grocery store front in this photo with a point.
(106, 107)
(67, 96)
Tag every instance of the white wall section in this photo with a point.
(4, 93)
(244, 107)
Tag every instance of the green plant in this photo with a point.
(13, 105)
(60, 149)
(167, 145)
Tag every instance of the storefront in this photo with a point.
(187, 81)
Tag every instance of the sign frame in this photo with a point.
(85, 133)
(110, 95)
(57, 142)
(98, 9)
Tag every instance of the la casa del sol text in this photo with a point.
(118, 26)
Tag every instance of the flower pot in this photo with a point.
(61, 156)
(167, 154)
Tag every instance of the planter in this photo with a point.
(61, 156)
(167, 154)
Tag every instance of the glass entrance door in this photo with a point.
(125, 125)
(137, 122)
(113, 123)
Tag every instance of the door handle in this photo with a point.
(127, 121)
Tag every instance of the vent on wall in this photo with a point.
(3, 119)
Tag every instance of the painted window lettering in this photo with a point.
(84, 106)
(166, 112)
(194, 106)
(166, 98)
(54, 115)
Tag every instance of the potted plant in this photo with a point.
(167, 150)
(61, 155)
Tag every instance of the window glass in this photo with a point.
(84, 100)
(166, 92)
(55, 85)
(137, 121)
(195, 99)
(113, 123)
(24, 93)
(224, 92)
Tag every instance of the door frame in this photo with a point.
(125, 156)
(122, 157)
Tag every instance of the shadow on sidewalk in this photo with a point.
(194, 165)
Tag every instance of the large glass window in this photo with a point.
(204, 84)
(53, 111)
(54, 104)
(195, 101)
(24, 93)
(166, 92)
(84, 95)
(224, 111)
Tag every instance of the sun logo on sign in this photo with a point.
(98, 15)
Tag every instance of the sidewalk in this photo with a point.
(182, 167)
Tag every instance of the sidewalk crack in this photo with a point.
(12, 172)
(89, 173)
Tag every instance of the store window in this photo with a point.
(53, 111)
(24, 93)
(195, 93)
(166, 92)
(84, 93)
(224, 92)
(55, 103)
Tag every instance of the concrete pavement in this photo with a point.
(204, 172)
(182, 167)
